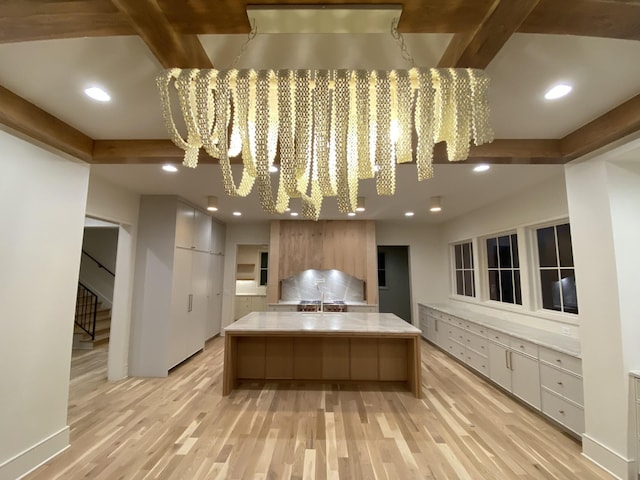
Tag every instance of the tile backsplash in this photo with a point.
(335, 284)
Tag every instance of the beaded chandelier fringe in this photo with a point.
(330, 127)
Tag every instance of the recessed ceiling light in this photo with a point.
(287, 209)
(352, 214)
(558, 91)
(212, 204)
(408, 214)
(170, 168)
(273, 169)
(237, 214)
(97, 93)
(435, 205)
(294, 214)
(360, 205)
(481, 167)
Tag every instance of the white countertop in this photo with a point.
(331, 302)
(555, 341)
(635, 373)
(322, 322)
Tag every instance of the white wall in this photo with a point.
(107, 201)
(544, 202)
(429, 280)
(42, 208)
(604, 203)
(238, 234)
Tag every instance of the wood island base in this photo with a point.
(322, 356)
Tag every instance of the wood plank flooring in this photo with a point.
(181, 427)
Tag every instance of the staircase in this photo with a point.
(82, 340)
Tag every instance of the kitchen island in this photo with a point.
(322, 347)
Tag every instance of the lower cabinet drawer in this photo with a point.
(459, 351)
(478, 362)
(563, 412)
(477, 343)
(563, 383)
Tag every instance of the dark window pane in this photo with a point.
(466, 250)
(514, 251)
(504, 252)
(264, 260)
(382, 278)
(381, 260)
(569, 296)
(492, 253)
(459, 282)
(473, 283)
(564, 245)
(516, 286)
(547, 247)
(494, 291)
(506, 285)
(263, 277)
(550, 289)
(458, 250)
(468, 283)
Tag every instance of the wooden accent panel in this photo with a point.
(613, 125)
(170, 48)
(393, 358)
(250, 357)
(589, 18)
(307, 358)
(335, 358)
(476, 48)
(348, 246)
(364, 359)
(26, 118)
(278, 354)
(23, 21)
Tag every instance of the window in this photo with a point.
(264, 267)
(504, 269)
(382, 274)
(557, 275)
(463, 256)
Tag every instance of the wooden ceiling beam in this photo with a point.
(30, 120)
(164, 151)
(476, 49)
(169, 47)
(613, 125)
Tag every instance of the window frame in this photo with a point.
(454, 270)
(521, 268)
(538, 302)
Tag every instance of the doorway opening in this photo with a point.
(394, 285)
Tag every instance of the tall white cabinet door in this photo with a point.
(201, 231)
(184, 225)
(499, 370)
(180, 306)
(218, 232)
(525, 378)
(214, 313)
(198, 312)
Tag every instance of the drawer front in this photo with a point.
(498, 337)
(525, 347)
(478, 329)
(573, 364)
(458, 335)
(451, 331)
(478, 362)
(563, 412)
(563, 383)
(458, 322)
(477, 343)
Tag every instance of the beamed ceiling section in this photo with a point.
(169, 28)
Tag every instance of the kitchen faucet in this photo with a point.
(318, 282)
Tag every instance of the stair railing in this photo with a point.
(100, 265)
(86, 310)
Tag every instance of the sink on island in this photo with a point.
(322, 347)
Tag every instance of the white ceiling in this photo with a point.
(52, 75)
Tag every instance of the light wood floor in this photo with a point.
(182, 428)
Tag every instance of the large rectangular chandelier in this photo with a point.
(327, 128)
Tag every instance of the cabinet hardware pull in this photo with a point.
(561, 411)
(559, 360)
(190, 302)
(560, 383)
(510, 360)
(506, 359)
(521, 346)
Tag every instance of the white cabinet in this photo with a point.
(171, 286)
(548, 380)
(282, 307)
(245, 304)
(362, 308)
(213, 321)
(193, 228)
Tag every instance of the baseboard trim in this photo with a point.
(614, 463)
(31, 458)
